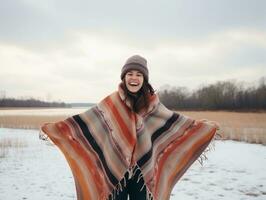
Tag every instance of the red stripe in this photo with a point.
(172, 148)
(204, 143)
(125, 130)
(123, 104)
(90, 165)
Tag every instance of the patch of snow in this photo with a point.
(37, 170)
(33, 169)
(42, 111)
(234, 170)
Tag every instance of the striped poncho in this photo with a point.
(108, 140)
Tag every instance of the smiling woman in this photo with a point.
(134, 80)
(130, 144)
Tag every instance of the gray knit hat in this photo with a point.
(138, 63)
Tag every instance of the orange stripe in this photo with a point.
(128, 135)
(75, 167)
(123, 104)
(186, 159)
(90, 163)
(77, 173)
(170, 150)
(112, 151)
(179, 134)
(190, 154)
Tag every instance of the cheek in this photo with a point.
(141, 81)
(126, 80)
(126, 83)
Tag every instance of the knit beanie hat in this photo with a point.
(136, 62)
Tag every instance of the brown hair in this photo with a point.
(140, 99)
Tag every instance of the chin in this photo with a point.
(134, 91)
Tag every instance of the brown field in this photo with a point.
(27, 121)
(248, 127)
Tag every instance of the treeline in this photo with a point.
(12, 102)
(223, 95)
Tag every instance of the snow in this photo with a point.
(234, 170)
(42, 111)
(36, 171)
(33, 169)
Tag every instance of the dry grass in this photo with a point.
(27, 121)
(7, 143)
(248, 127)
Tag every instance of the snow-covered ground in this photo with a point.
(32, 169)
(42, 111)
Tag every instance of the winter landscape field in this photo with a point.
(33, 169)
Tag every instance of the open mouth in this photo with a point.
(133, 84)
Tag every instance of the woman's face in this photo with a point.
(134, 80)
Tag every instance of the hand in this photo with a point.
(214, 123)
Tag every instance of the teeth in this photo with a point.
(134, 84)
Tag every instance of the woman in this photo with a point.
(130, 144)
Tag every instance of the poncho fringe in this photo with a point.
(109, 140)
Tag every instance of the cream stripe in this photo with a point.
(163, 141)
(82, 167)
(174, 159)
(152, 123)
(103, 140)
(121, 109)
(88, 150)
(117, 132)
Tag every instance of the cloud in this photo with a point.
(29, 21)
(85, 65)
(223, 55)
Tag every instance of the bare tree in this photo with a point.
(223, 95)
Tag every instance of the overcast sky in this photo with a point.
(73, 51)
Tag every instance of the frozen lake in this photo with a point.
(42, 111)
(33, 169)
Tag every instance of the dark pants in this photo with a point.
(135, 190)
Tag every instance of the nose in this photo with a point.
(135, 78)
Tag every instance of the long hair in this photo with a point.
(140, 99)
